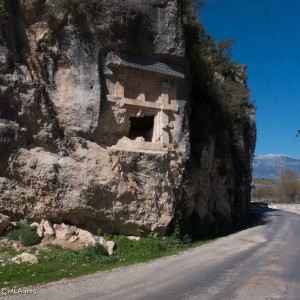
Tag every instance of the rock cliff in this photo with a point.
(98, 119)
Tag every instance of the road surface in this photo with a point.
(262, 262)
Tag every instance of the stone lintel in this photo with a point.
(139, 104)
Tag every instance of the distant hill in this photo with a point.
(270, 165)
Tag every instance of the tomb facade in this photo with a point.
(145, 97)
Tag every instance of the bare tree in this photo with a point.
(289, 185)
(264, 192)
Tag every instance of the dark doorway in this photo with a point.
(141, 127)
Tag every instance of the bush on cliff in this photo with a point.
(3, 12)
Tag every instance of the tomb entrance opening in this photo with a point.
(141, 127)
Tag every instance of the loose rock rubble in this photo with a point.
(64, 236)
(69, 237)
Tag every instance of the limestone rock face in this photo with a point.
(59, 132)
(94, 130)
(220, 193)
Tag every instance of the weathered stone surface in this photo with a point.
(48, 230)
(109, 245)
(68, 149)
(25, 257)
(5, 242)
(4, 222)
(65, 232)
(134, 238)
(86, 237)
(56, 134)
(101, 240)
(73, 239)
(40, 230)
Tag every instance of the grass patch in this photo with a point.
(7, 253)
(55, 263)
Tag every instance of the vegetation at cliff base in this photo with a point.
(56, 263)
(25, 234)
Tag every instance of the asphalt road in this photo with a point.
(262, 262)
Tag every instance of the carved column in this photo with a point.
(142, 92)
(164, 114)
(120, 87)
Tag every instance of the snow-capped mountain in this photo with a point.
(271, 165)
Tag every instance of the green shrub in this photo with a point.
(18, 231)
(93, 253)
(29, 238)
(25, 234)
(3, 12)
(149, 247)
(108, 236)
(15, 234)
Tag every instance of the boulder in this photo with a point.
(109, 245)
(5, 242)
(25, 257)
(48, 230)
(86, 237)
(64, 232)
(101, 240)
(40, 230)
(4, 222)
(133, 238)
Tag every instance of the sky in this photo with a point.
(266, 36)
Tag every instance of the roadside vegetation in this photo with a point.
(286, 189)
(56, 263)
(25, 234)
